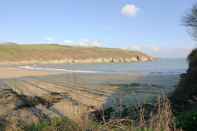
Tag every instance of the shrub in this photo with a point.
(56, 124)
(187, 120)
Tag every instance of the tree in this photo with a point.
(190, 21)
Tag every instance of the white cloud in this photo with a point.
(68, 41)
(155, 49)
(90, 43)
(129, 10)
(84, 43)
(174, 52)
(167, 52)
(135, 47)
(49, 39)
(144, 48)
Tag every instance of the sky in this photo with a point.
(152, 26)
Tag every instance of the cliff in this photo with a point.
(53, 53)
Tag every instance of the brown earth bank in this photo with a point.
(56, 54)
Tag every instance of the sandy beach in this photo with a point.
(38, 95)
(13, 72)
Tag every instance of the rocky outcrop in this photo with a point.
(110, 60)
(86, 61)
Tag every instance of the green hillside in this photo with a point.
(48, 52)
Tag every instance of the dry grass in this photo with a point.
(49, 52)
(159, 119)
(164, 119)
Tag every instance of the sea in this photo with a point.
(163, 66)
(138, 82)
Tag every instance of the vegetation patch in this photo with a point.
(187, 120)
(56, 124)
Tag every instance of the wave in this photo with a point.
(130, 69)
(57, 69)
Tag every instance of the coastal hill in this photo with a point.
(11, 53)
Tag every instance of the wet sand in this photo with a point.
(13, 72)
(29, 93)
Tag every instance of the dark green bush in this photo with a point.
(187, 121)
(56, 124)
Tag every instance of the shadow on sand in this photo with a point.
(129, 98)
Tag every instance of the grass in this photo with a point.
(45, 52)
(158, 118)
(187, 120)
(161, 120)
(56, 124)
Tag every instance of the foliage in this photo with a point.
(187, 120)
(56, 124)
(190, 20)
(192, 58)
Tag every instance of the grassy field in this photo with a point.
(45, 52)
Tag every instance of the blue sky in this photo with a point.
(153, 26)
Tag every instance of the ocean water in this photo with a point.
(137, 82)
(161, 66)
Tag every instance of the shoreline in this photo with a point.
(14, 72)
(81, 61)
